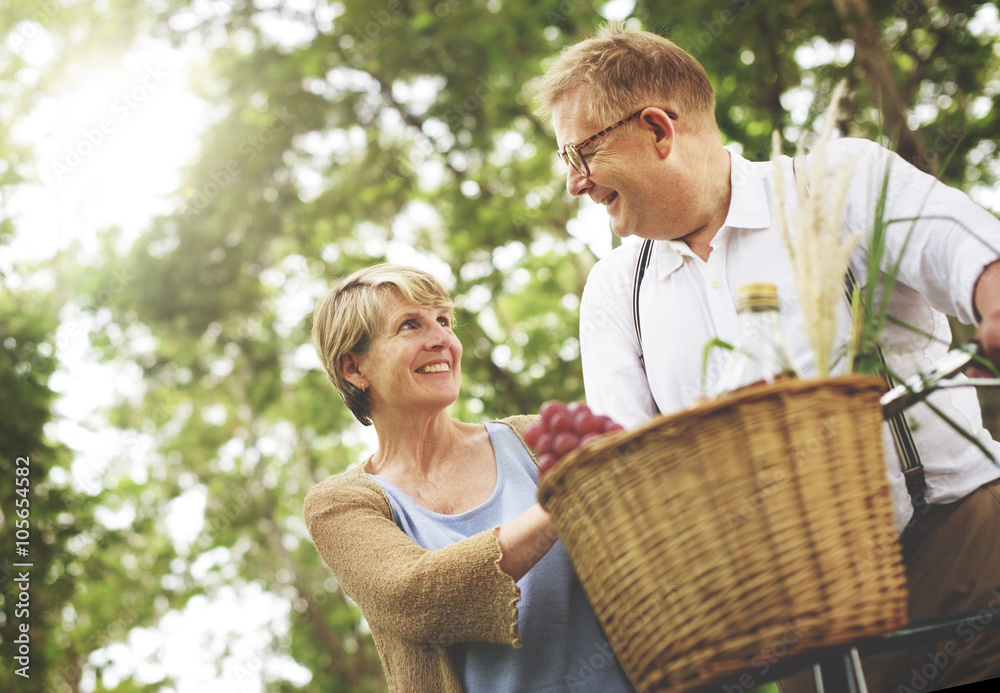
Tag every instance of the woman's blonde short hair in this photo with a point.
(628, 70)
(348, 318)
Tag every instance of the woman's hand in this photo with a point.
(524, 540)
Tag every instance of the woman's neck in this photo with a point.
(445, 465)
(419, 444)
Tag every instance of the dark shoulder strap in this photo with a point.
(640, 271)
(901, 433)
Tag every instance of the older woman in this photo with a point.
(437, 536)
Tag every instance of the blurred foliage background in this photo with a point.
(338, 135)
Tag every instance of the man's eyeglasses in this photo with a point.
(570, 153)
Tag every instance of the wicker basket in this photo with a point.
(743, 531)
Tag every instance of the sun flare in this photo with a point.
(109, 152)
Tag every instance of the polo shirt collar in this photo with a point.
(748, 209)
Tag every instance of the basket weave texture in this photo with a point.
(743, 531)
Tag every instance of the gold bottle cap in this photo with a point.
(758, 295)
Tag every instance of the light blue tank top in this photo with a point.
(564, 649)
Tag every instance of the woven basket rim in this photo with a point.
(593, 451)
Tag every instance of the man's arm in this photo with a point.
(938, 238)
(613, 376)
(986, 301)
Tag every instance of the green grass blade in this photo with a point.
(957, 427)
(715, 342)
(916, 330)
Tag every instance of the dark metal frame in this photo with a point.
(838, 669)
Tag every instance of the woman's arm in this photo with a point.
(462, 592)
(525, 539)
(530, 535)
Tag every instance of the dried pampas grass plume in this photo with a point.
(817, 245)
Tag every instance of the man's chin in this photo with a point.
(620, 231)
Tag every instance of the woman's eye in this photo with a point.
(444, 321)
(408, 325)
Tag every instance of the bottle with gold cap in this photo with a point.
(760, 355)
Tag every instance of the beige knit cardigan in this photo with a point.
(417, 602)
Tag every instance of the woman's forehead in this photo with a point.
(395, 304)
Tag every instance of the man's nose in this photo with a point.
(576, 183)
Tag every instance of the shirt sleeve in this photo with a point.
(454, 594)
(613, 374)
(941, 239)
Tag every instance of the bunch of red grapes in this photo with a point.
(562, 429)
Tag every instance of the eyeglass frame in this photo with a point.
(568, 158)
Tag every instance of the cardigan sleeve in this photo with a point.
(454, 594)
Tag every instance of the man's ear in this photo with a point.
(656, 121)
(350, 368)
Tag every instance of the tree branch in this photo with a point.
(862, 28)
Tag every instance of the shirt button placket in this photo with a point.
(720, 303)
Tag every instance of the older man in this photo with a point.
(634, 120)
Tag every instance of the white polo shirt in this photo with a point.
(684, 302)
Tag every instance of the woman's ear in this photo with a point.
(656, 121)
(350, 368)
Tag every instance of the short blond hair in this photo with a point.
(627, 70)
(348, 318)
